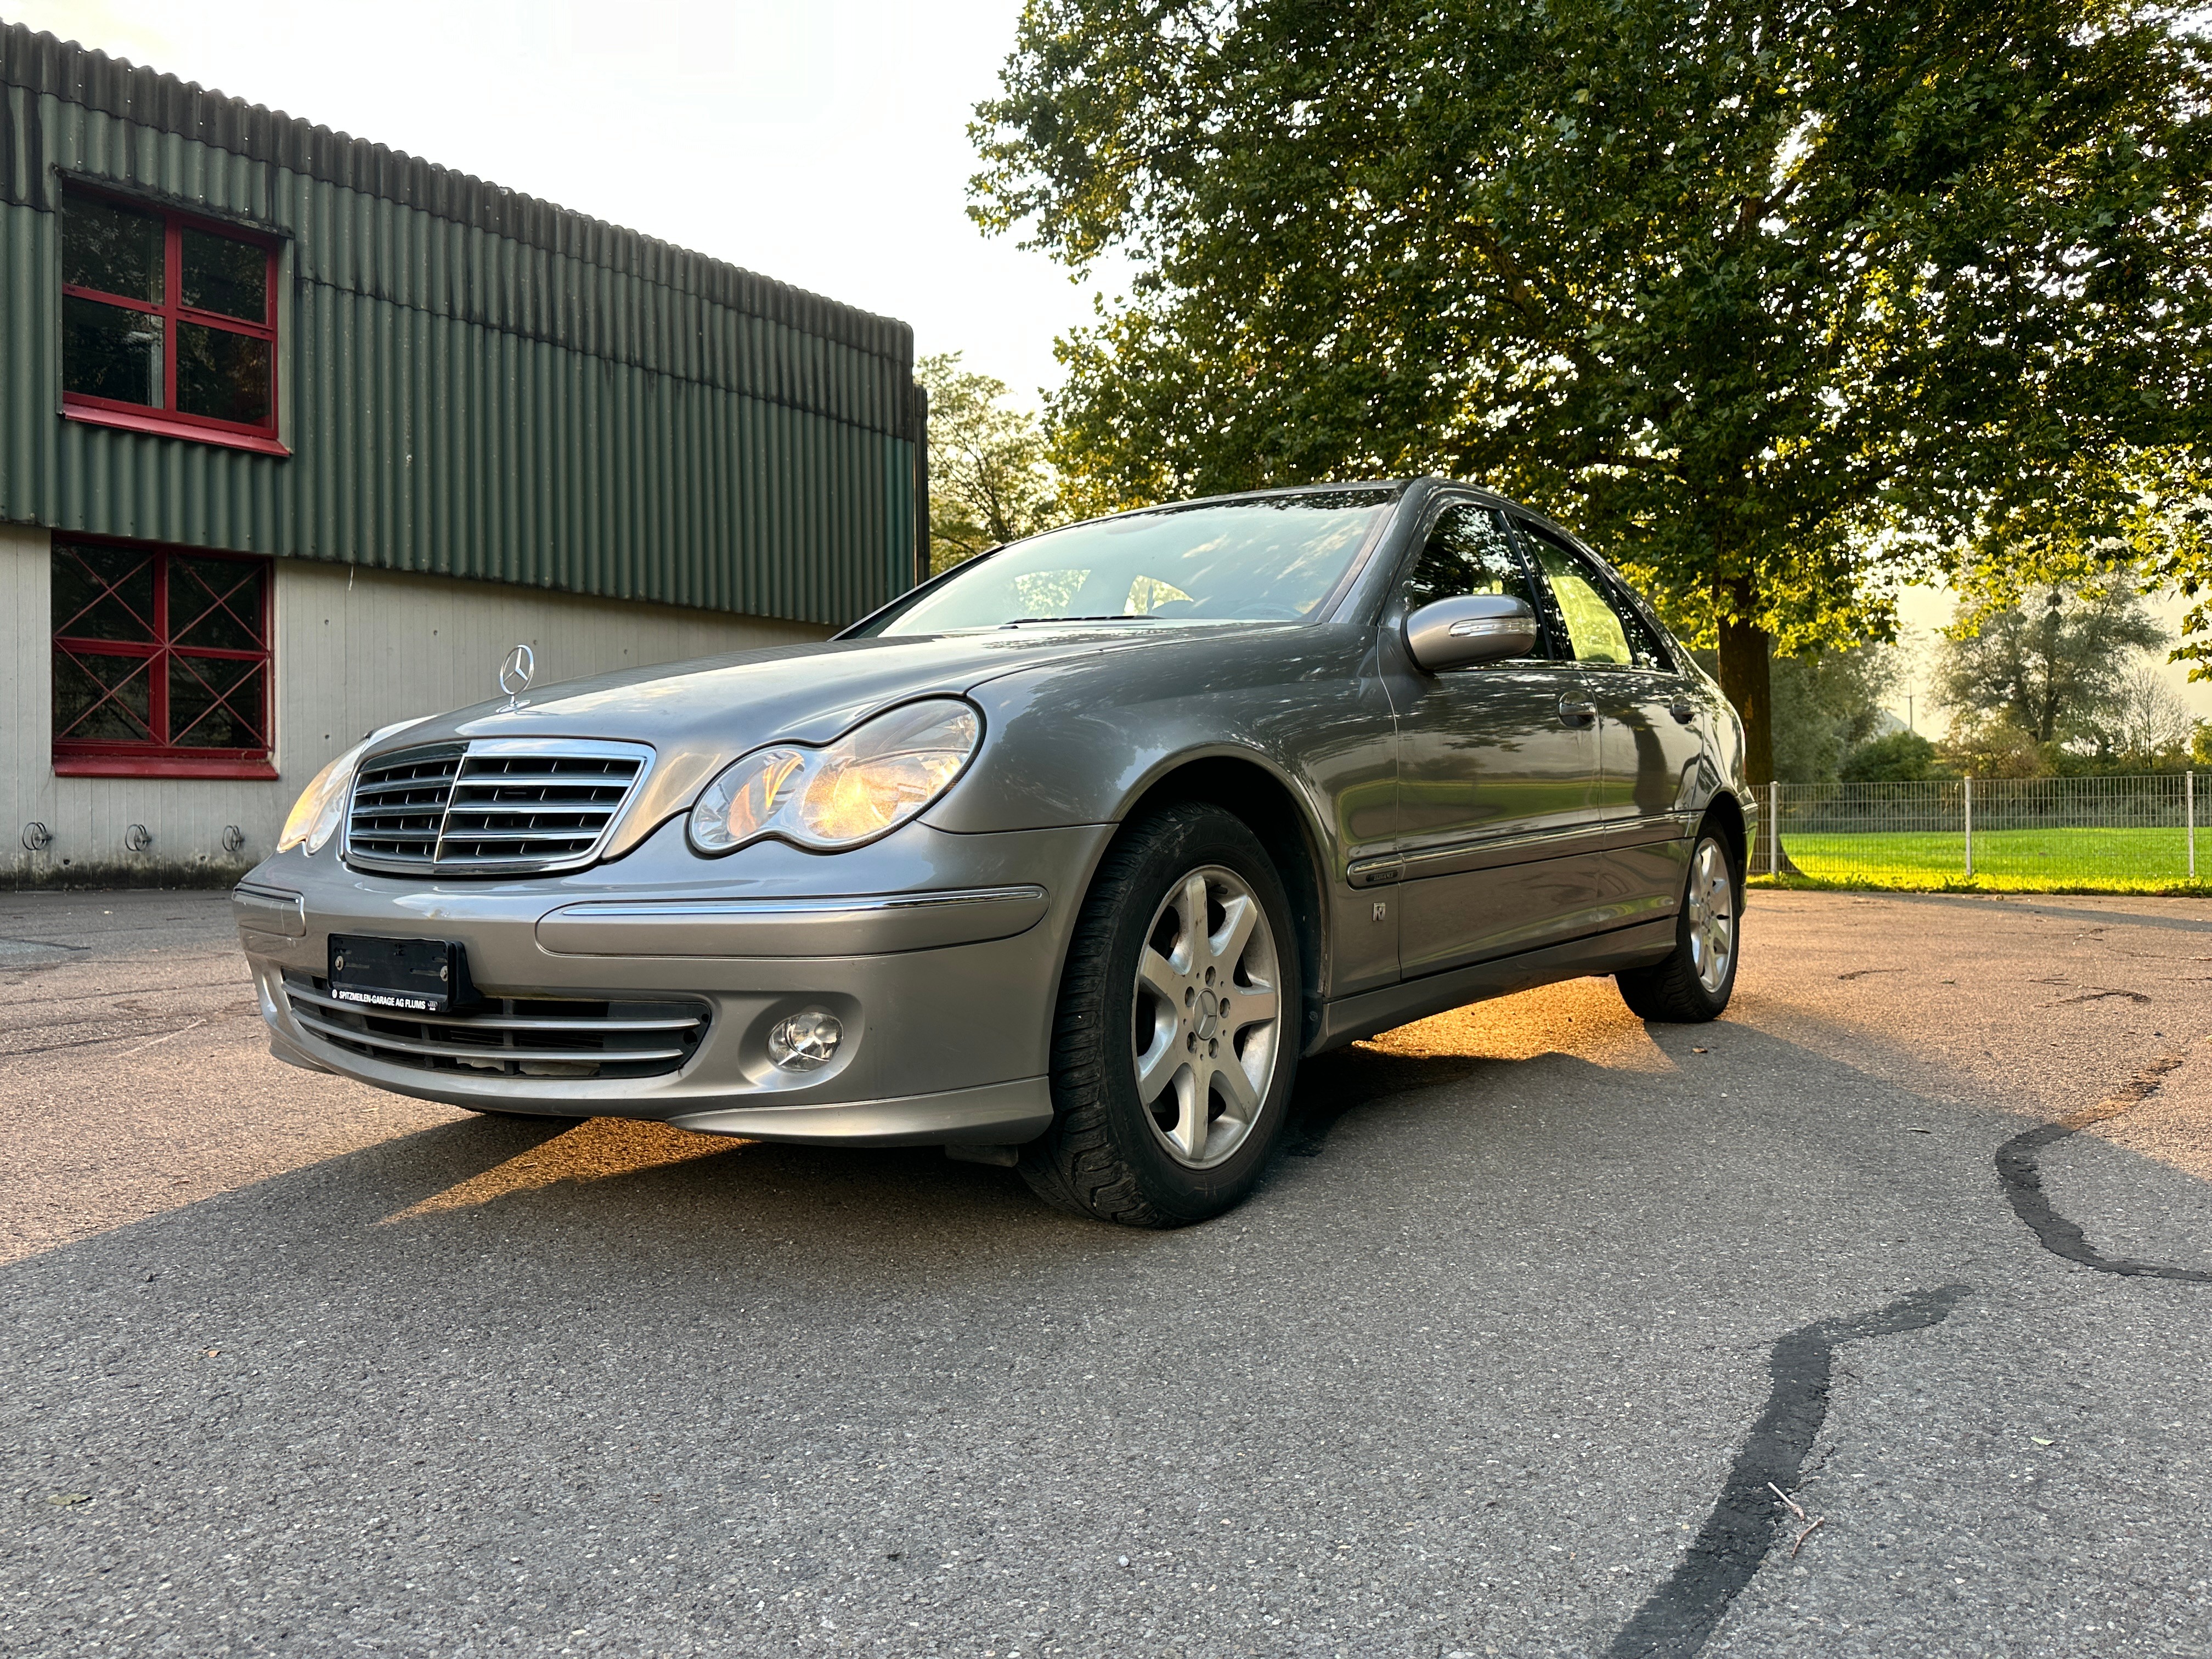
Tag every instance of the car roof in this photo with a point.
(1457, 486)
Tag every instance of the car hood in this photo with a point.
(698, 716)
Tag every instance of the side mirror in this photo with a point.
(1479, 627)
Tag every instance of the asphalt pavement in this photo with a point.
(1498, 1362)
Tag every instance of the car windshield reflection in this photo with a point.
(1270, 558)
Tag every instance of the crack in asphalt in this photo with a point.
(1679, 1617)
(2020, 1172)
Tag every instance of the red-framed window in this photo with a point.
(161, 662)
(168, 323)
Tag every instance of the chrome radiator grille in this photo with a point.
(509, 1037)
(504, 806)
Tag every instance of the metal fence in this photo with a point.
(2128, 834)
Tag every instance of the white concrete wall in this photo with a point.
(354, 649)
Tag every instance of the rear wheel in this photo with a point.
(1695, 982)
(1175, 1041)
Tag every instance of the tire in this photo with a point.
(1170, 1093)
(1695, 983)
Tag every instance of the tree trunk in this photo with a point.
(1747, 681)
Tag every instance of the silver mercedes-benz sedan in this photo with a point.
(1061, 861)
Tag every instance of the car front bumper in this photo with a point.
(937, 953)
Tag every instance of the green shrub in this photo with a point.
(1900, 757)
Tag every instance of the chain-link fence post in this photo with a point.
(2189, 817)
(1970, 828)
(1774, 828)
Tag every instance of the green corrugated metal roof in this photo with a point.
(474, 383)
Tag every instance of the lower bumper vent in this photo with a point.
(510, 1036)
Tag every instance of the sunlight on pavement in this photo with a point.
(2173, 1125)
(1584, 1017)
(592, 1151)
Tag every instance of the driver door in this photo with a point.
(1498, 847)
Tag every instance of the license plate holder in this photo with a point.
(408, 975)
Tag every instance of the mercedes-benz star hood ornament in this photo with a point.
(516, 673)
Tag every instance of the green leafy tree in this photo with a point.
(1897, 757)
(989, 481)
(1990, 746)
(1781, 306)
(1826, 704)
(2058, 671)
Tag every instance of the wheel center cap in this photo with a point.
(1209, 1014)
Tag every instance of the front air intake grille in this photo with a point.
(502, 807)
(509, 1037)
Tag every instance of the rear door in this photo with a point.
(1499, 847)
(1650, 734)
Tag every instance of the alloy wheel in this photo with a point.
(1208, 1017)
(1712, 916)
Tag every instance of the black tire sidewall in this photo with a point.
(1185, 842)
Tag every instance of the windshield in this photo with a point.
(1268, 558)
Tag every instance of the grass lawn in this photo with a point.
(2005, 861)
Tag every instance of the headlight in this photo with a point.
(867, 784)
(315, 815)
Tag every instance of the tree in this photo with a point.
(988, 479)
(1779, 305)
(2054, 671)
(1990, 746)
(1826, 704)
(1897, 757)
(2146, 719)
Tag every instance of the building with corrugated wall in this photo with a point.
(299, 436)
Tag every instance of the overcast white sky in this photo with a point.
(822, 143)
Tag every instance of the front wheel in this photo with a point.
(1695, 983)
(1176, 1040)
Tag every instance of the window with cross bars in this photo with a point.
(161, 662)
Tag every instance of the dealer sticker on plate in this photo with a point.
(421, 975)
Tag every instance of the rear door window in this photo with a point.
(1602, 625)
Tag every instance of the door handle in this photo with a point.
(1683, 710)
(1575, 711)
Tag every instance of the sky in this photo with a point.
(824, 144)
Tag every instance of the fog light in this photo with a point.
(806, 1041)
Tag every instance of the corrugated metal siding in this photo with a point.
(474, 384)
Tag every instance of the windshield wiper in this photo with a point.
(1115, 615)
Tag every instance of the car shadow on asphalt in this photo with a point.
(604, 1200)
(1332, 1086)
(2029, 905)
(610, 1195)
